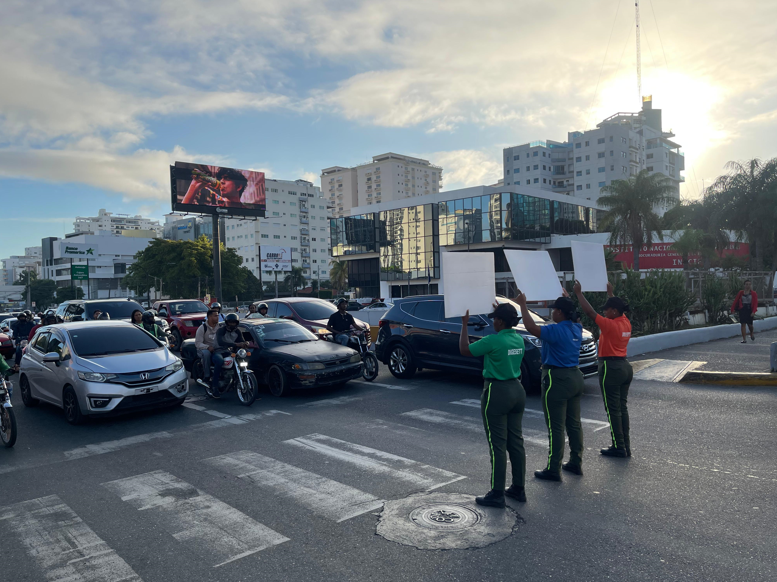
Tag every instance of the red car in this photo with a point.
(183, 316)
(6, 346)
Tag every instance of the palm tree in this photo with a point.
(295, 279)
(707, 218)
(749, 196)
(631, 217)
(687, 243)
(338, 275)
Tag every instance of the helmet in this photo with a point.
(340, 301)
(215, 305)
(28, 314)
(148, 318)
(262, 306)
(49, 318)
(105, 315)
(231, 318)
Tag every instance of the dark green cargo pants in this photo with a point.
(562, 389)
(501, 405)
(615, 377)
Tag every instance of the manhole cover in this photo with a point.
(444, 521)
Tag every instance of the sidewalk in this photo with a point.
(726, 355)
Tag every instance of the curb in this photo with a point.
(729, 378)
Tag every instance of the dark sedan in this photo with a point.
(286, 356)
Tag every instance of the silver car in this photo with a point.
(99, 368)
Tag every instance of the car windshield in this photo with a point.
(116, 309)
(535, 316)
(283, 333)
(312, 310)
(184, 307)
(89, 342)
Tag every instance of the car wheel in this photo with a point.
(276, 380)
(24, 386)
(401, 362)
(71, 406)
(177, 341)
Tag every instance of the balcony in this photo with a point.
(303, 230)
(305, 253)
(304, 221)
(303, 208)
(304, 242)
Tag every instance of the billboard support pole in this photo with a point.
(217, 258)
(88, 282)
(261, 284)
(276, 284)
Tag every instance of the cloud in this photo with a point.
(312, 177)
(462, 168)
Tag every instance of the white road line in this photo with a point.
(472, 403)
(470, 423)
(330, 402)
(206, 524)
(217, 414)
(193, 406)
(377, 462)
(322, 496)
(64, 547)
(387, 386)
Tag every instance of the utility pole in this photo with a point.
(217, 257)
(276, 284)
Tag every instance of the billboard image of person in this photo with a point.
(217, 190)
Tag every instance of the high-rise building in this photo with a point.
(297, 217)
(118, 225)
(621, 146)
(388, 177)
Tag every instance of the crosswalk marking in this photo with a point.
(472, 403)
(328, 498)
(377, 462)
(471, 424)
(330, 402)
(195, 518)
(387, 386)
(64, 547)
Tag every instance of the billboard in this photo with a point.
(77, 251)
(662, 256)
(79, 273)
(275, 258)
(203, 189)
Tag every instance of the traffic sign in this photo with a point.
(79, 272)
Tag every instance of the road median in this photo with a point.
(729, 378)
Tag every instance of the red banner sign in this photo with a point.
(661, 256)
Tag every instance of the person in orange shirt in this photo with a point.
(615, 372)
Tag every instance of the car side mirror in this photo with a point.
(51, 357)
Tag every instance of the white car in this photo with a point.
(373, 312)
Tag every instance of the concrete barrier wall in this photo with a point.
(686, 337)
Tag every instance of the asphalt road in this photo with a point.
(292, 492)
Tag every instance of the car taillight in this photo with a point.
(382, 322)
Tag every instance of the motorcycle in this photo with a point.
(7, 418)
(358, 341)
(235, 375)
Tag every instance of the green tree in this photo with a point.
(295, 279)
(338, 276)
(68, 293)
(25, 277)
(687, 243)
(631, 204)
(708, 218)
(42, 292)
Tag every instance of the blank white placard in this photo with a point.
(590, 268)
(534, 274)
(469, 283)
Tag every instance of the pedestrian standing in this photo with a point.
(746, 303)
(502, 401)
(615, 372)
(562, 384)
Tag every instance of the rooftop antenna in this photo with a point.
(639, 53)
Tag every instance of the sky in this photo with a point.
(98, 98)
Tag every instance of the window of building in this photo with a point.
(535, 153)
(600, 140)
(536, 180)
(265, 236)
(623, 155)
(623, 140)
(579, 159)
(543, 167)
(579, 187)
(516, 158)
(517, 171)
(293, 215)
(536, 166)
(600, 155)
(612, 153)
(507, 171)
(276, 236)
(578, 145)
(528, 182)
(276, 213)
(650, 168)
(293, 238)
(650, 156)
(579, 173)
(612, 168)
(588, 158)
(274, 202)
(587, 144)
(602, 184)
(588, 186)
(292, 203)
(528, 168)
(544, 181)
(601, 170)
(610, 138)
(588, 171)
(543, 154)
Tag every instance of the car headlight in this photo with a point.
(535, 341)
(95, 377)
(308, 366)
(175, 366)
(319, 330)
(355, 358)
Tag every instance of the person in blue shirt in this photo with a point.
(562, 384)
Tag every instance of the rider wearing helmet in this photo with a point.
(341, 322)
(262, 308)
(21, 331)
(216, 305)
(49, 318)
(228, 338)
(148, 324)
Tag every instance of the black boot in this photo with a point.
(572, 468)
(493, 498)
(547, 475)
(614, 452)
(516, 492)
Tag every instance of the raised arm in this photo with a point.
(528, 321)
(585, 306)
(610, 290)
(464, 336)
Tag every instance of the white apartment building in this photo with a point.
(387, 178)
(118, 225)
(621, 146)
(15, 265)
(297, 216)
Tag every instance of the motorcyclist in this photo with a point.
(228, 338)
(6, 371)
(217, 306)
(21, 331)
(205, 342)
(262, 309)
(148, 324)
(49, 318)
(341, 322)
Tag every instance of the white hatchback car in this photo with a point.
(100, 368)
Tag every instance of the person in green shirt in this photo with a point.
(502, 401)
(6, 372)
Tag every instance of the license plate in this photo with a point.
(147, 390)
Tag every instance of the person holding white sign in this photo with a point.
(502, 401)
(615, 372)
(562, 384)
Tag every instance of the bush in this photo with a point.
(714, 297)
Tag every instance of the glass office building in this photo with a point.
(404, 244)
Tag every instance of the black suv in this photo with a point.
(415, 334)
